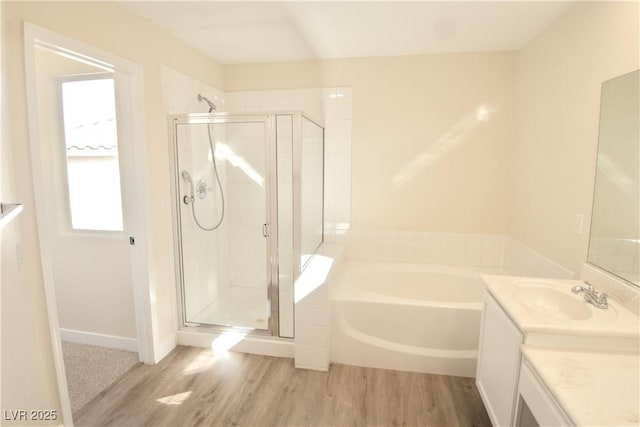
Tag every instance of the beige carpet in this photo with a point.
(91, 369)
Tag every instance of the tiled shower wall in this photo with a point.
(180, 93)
(242, 151)
(202, 249)
(311, 189)
(331, 106)
(180, 97)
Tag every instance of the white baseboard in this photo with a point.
(166, 346)
(101, 340)
(312, 367)
(249, 344)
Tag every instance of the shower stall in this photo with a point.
(248, 205)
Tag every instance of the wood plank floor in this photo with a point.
(192, 387)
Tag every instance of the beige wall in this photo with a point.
(27, 369)
(430, 139)
(28, 375)
(559, 75)
(92, 274)
(528, 173)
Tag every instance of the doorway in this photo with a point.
(84, 116)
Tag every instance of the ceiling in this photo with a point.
(245, 32)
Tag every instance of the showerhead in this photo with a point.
(186, 176)
(212, 106)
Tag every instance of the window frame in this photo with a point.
(66, 223)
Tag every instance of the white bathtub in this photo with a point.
(410, 317)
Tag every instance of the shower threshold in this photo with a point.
(252, 311)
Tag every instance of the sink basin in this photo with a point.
(559, 303)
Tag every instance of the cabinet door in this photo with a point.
(498, 363)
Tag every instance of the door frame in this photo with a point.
(136, 209)
(271, 215)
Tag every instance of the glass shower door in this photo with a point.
(223, 186)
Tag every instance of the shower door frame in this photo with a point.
(271, 210)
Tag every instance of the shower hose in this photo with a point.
(219, 184)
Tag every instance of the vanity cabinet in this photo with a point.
(498, 363)
(538, 363)
(535, 406)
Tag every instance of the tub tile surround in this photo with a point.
(424, 247)
(521, 260)
(484, 250)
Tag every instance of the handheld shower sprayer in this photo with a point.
(212, 106)
(187, 177)
(201, 188)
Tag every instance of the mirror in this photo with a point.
(615, 236)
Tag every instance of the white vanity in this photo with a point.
(568, 387)
(547, 357)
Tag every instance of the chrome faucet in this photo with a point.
(591, 295)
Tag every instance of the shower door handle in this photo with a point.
(265, 229)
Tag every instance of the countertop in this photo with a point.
(596, 382)
(614, 322)
(593, 388)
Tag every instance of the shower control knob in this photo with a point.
(202, 189)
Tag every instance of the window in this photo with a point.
(91, 144)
